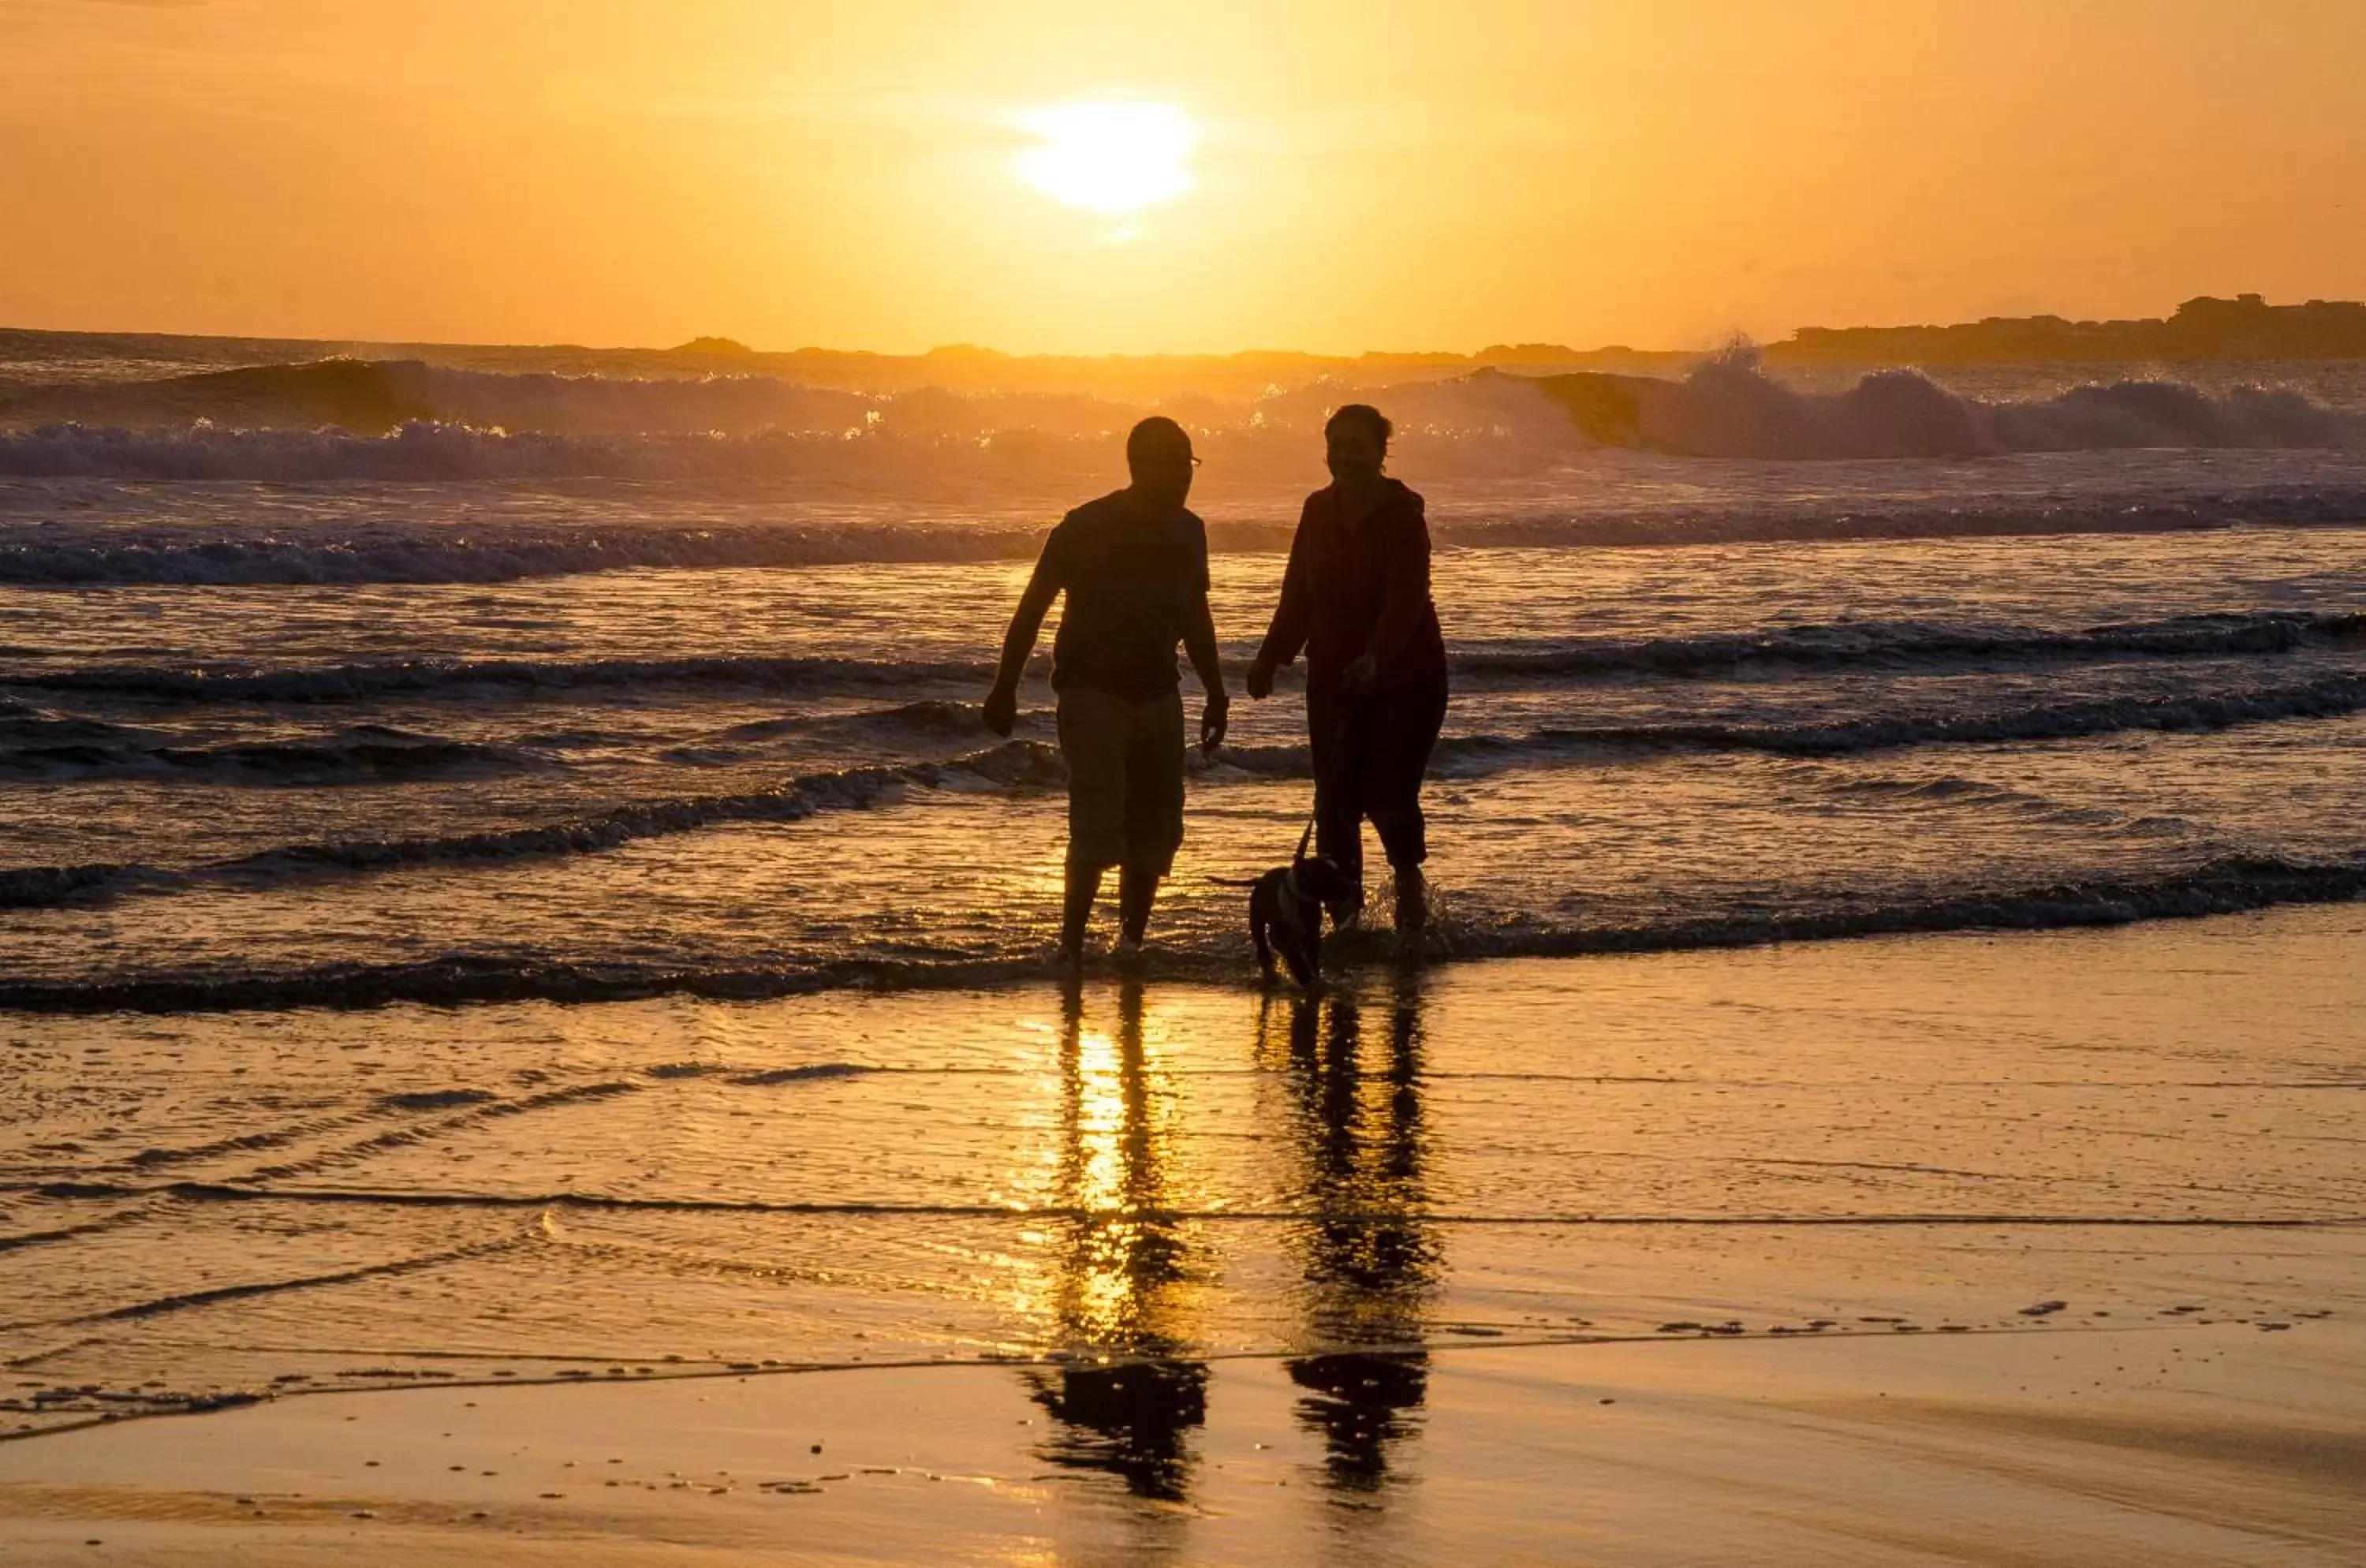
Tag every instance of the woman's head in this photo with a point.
(1356, 442)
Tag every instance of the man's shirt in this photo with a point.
(1132, 583)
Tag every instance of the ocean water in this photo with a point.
(524, 687)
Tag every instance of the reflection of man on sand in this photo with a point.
(1120, 1302)
(1370, 1260)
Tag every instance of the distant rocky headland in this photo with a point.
(2204, 329)
(2246, 327)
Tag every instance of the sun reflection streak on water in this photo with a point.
(1122, 1259)
(1123, 1304)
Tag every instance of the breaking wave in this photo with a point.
(2329, 697)
(342, 420)
(1840, 644)
(434, 450)
(60, 553)
(1727, 407)
(1916, 642)
(2224, 885)
(1020, 766)
(368, 395)
(348, 682)
(1471, 755)
(74, 748)
(1014, 765)
(495, 552)
(404, 421)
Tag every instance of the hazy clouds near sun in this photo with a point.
(1359, 175)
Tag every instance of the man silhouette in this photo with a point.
(1135, 566)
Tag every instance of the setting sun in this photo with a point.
(1111, 158)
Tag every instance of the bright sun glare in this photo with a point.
(1112, 158)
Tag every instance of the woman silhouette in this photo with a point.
(1355, 598)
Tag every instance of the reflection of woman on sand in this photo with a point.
(1355, 598)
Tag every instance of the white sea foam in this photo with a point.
(358, 543)
(338, 419)
(1728, 407)
(2224, 885)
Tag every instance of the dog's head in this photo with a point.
(1320, 878)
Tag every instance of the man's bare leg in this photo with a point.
(1136, 890)
(1083, 885)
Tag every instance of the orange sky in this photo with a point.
(1366, 175)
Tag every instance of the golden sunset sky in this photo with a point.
(1309, 175)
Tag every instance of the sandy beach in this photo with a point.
(2085, 1444)
(2001, 1249)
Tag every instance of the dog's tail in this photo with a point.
(1235, 880)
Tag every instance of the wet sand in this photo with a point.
(2153, 1444)
(2007, 1249)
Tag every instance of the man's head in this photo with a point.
(1158, 455)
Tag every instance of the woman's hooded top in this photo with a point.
(1358, 588)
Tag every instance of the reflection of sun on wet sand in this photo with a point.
(1125, 1392)
(2036, 1248)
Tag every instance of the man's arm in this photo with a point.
(1018, 645)
(1199, 642)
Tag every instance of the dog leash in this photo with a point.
(1338, 744)
(1298, 857)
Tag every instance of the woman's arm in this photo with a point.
(1287, 634)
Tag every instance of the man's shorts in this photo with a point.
(1125, 779)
